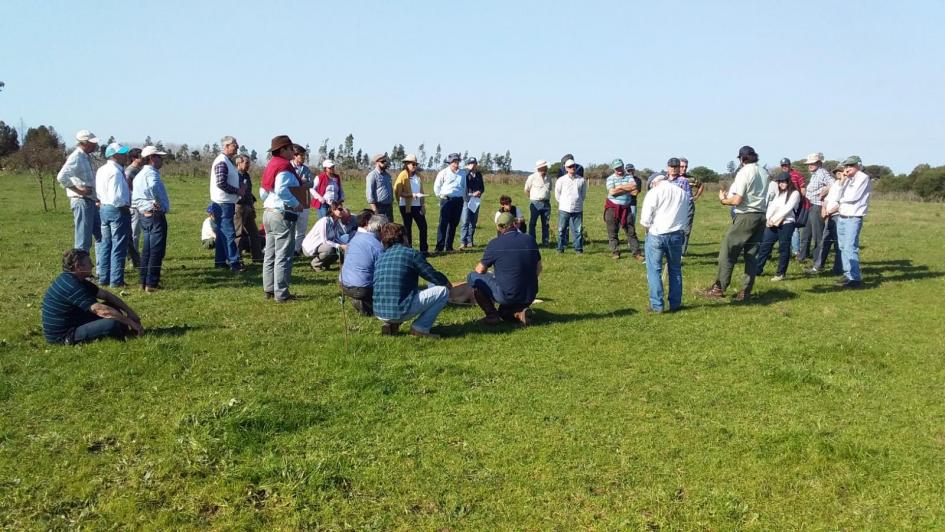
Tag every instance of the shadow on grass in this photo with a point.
(540, 318)
(877, 273)
(178, 330)
(210, 277)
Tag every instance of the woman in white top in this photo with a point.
(408, 188)
(780, 225)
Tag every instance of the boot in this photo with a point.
(487, 306)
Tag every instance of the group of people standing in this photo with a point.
(381, 268)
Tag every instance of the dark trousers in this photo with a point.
(692, 219)
(615, 224)
(97, 329)
(539, 209)
(829, 240)
(387, 210)
(782, 235)
(812, 233)
(133, 227)
(742, 238)
(411, 215)
(362, 298)
(247, 232)
(451, 209)
(154, 244)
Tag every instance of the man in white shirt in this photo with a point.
(115, 213)
(450, 187)
(665, 215)
(538, 188)
(327, 239)
(854, 200)
(570, 191)
(78, 178)
(748, 197)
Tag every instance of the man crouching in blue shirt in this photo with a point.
(72, 313)
(514, 284)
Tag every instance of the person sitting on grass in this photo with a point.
(514, 283)
(327, 240)
(505, 205)
(397, 297)
(357, 271)
(208, 231)
(72, 313)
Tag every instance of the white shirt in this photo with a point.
(781, 207)
(207, 231)
(111, 185)
(854, 195)
(449, 184)
(665, 209)
(77, 171)
(570, 193)
(537, 187)
(830, 200)
(414, 189)
(325, 231)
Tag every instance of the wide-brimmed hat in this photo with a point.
(151, 150)
(814, 158)
(279, 142)
(541, 163)
(84, 135)
(410, 159)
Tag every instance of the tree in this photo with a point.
(41, 154)
(507, 167)
(331, 154)
(706, 175)
(730, 168)
(243, 150)
(183, 153)
(878, 171)
(347, 153)
(9, 140)
(437, 157)
(930, 183)
(253, 156)
(323, 151)
(195, 156)
(357, 159)
(215, 150)
(421, 153)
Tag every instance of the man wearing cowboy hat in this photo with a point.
(281, 193)
(78, 178)
(450, 187)
(820, 180)
(854, 200)
(379, 187)
(538, 188)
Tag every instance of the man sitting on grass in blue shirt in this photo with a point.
(72, 313)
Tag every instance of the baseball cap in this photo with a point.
(617, 163)
(746, 151)
(453, 157)
(853, 160)
(505, 219)
(115, 149)
(785, 162)
(672, 162)
(151, 150)
(569, 162)
(783, 176)
(472, 160)
(629, 167)
(84, 135)
(328, 163)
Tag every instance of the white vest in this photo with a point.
(232, 178)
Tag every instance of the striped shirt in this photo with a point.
(67, 305)
(396, 274)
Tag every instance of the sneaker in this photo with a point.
(390, 328)
(713, 292)
(269, 295)
(615, 256)
(777, 278)
(286, 299)
(841, 281)
(852, 284)
(813, 271)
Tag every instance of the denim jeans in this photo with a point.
(469, 221)
(670, 246)
(154, 228)
(301, 229)
(486, 281)
(112, 249)
(322, 211)
(542, 209)
(450, 212)
(87, 223)
(848, 238)
(97, 329)
(574, 221)
(426, 306)
(277, 260)
(226, 251)
(783, 235)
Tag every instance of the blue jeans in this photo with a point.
(450, 213)
(426, 306)
(87, 223)
(486, 281)
(782, 235)
(848, 237)
(542, 209)
(154, 229)
(277, 260)
(96, 329)
(669, 245)
(322, 211)
(226, 252)
(112, 249)
(575, 221)
(469, 220)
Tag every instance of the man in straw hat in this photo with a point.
(78, 178)
(538, 187)
(813, 232)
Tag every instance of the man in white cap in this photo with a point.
(538, 188)
(115, 213)
(327, 188)
(150, 198)
(78, 178)
(570, 191)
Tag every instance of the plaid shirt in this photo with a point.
(395, 280)
(220, 172)
(819, 180)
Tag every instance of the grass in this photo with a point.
(809, 408)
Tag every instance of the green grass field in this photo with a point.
(809, 408)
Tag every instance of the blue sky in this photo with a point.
(639, 80)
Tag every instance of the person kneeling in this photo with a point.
(357, 271)
(72, 313)
(327, 239)
(397, 297)
(514, 283)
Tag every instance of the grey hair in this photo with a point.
(377, 221)
(684, 160)
(243, 157)
(227, 140)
